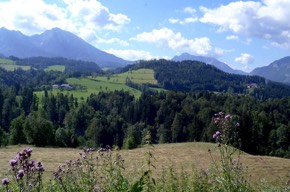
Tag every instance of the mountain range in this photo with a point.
(278, 70)
(55, 43)
(208, 60)
(60, 43)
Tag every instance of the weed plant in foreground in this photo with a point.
(103, 170)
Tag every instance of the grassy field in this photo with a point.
(182, 155)
(10, 65)
(139, 76)
(60, 68)
(108, 84)
(6, 61)
(92, 86)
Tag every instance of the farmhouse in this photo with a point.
(64, 86)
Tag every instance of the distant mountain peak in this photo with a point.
(208, 60)
(278, 70)
(55, 43)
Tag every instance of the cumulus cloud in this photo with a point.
(267, 19)
(175, 41)
(232, 37)
(192, 19)
(31, 16)
(133, 55)
(244, 59)
(81, 17)
(113, 40)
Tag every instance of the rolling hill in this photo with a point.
(181, 155)
(55, 43)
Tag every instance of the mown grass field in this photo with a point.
(92, 86)
(6, 61)
(139, 76)
(108, 84)
(186, 156)
(60, 68)
(10, 65)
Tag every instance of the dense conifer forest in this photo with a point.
(183, 113)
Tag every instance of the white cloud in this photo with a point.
(113, 40)
(133, 55)
(189, 10)
(232, 37)
(175, 41)
(31, 17)
(267, 19)
(173, 20)
(192, 19)
(244, 59)
(81, 17)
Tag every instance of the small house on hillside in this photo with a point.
(64, 86)
(252, 85)
(55, 86)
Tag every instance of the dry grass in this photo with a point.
(184, 156)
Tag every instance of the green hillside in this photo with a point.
(60, 68)
(85, 86)
(10, 65)
(139, 76)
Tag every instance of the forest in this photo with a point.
(180, 114)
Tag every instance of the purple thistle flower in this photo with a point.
(5, 181)
(228, 116)
(216, 135)
(20, 173)
(13, 162)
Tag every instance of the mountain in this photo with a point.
(278, 70)
(55, 43)
(208, 60)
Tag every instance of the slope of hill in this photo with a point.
(208, 60)
(184, 156)
(197, 76)
(70, 65)
(55, 43)
(278, 70)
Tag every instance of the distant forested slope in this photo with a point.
(71, 65)
(191, 76)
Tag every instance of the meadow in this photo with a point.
(10, 65)
(140, 76)
(60, 68)
(97, 84)
(180, 156)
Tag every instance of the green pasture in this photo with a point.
(92, 86)
(10, 65)
(60, 68)
(111, 83)
(6, 61)
(140, 76)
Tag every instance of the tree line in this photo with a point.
(117, 118)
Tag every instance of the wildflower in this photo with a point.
(228, 116)
(20, 173)
(5, 181)
(216, 135)
(13, 162)
(237, 124)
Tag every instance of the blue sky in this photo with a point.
(243, 34)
